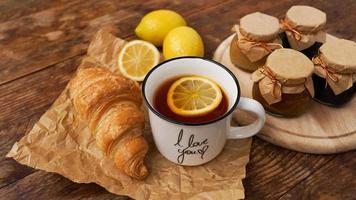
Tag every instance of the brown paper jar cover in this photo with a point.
(303, 26)
(257, 36)
(335, 72)
(283, 85)
(239, 59)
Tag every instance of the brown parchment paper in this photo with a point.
(61, 143)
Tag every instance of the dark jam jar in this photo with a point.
(256, 37)
(334, 75)
(303, 29)
(325, 95)
(283, 85)
(310, 52)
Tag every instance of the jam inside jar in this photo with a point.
(292, 105)
(240, 60)
(255, 38)
(309, 52)
(283, 85)
(326, 96)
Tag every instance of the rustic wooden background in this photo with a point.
(42, 42)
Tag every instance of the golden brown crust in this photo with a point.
(110, 105)
(126, 117)
(93, 87)
(134, 149)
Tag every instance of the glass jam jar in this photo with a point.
(335, 72)
(283, 85)
(292, 104)
(303, 29)
(256, 37)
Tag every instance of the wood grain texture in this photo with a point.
(34, 93)
(11, 171)
(35, 41)
(38, 62)
(334, 180)
(12, 9)
(42, 185)
(273, 171)
(321, 129)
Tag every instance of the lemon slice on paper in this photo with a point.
(193, 96)
(137, 58)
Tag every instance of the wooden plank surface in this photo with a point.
(64, 31)
(42, 42)
(334, 180)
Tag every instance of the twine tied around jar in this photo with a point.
(271, 87)
(287, 27)
(265, 45)
(254, 49)
(339, 80)
(276, 84)
(329, 73)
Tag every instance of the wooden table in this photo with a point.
(42, 42)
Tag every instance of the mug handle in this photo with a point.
(252, 129)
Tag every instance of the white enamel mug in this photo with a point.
(195, 144)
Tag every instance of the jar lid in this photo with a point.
(306, 18)
(259, 26)
(290, 64)
(339, 54)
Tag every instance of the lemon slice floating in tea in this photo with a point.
(137, 58)
(193, 96)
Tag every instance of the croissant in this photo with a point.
(110, 105)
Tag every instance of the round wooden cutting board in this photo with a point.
(322, 130)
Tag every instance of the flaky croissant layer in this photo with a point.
(110, 104)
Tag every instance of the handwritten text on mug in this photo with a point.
(193, 147)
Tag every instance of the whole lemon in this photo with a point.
(155, 25)
(182, 41)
